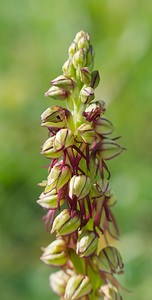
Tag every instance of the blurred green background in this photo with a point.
(35, 36)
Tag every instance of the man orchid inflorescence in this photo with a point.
(77, 195)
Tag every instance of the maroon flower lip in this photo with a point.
(77, 194)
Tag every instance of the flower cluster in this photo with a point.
(77, 195)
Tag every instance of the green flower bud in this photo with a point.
(77, 287)
(56, 253)
(103, 126)
(81, 34)
(87, 94)
(101, 262)
(87, 243)
(90, 57)
(95, 79)
(48, 149)
(64, 82)
(54, 117)
(66, 224)
(83, 42)
(86, 133)
(68, 68)
(72, 49)
(50, 200)
(57, 93)
(59, 176)
(109, 149)
(85, 75)
(108, 292)
(79, 59)
(63, 139)
(79, 186)
(58, 282)
(109, 260)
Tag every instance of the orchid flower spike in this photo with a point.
(77, 195)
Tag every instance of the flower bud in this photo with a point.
(81, 34)
(53, 117)
(58, 282)
(103, 126)
(48, 149)
(94, 110)
(108, 149)
(90, 57)
(59, 176)
(86, 133)
(95, 79)
(68, 68)
(87, 94)
(85, 75)
(57, 93)
(109, 260)
(87, 243)
(56, 253)
(77, 287)
(72, 49)
(108, 292)
(79, 59)
(63, 139)
(79, 186)
(83, 42)
(63, 82)
(65, 223)
(50, 200)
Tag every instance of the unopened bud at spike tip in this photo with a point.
(83, 43)
(81, 34)
(72, 49)
(79, 59)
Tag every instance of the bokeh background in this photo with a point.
(35, 36)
